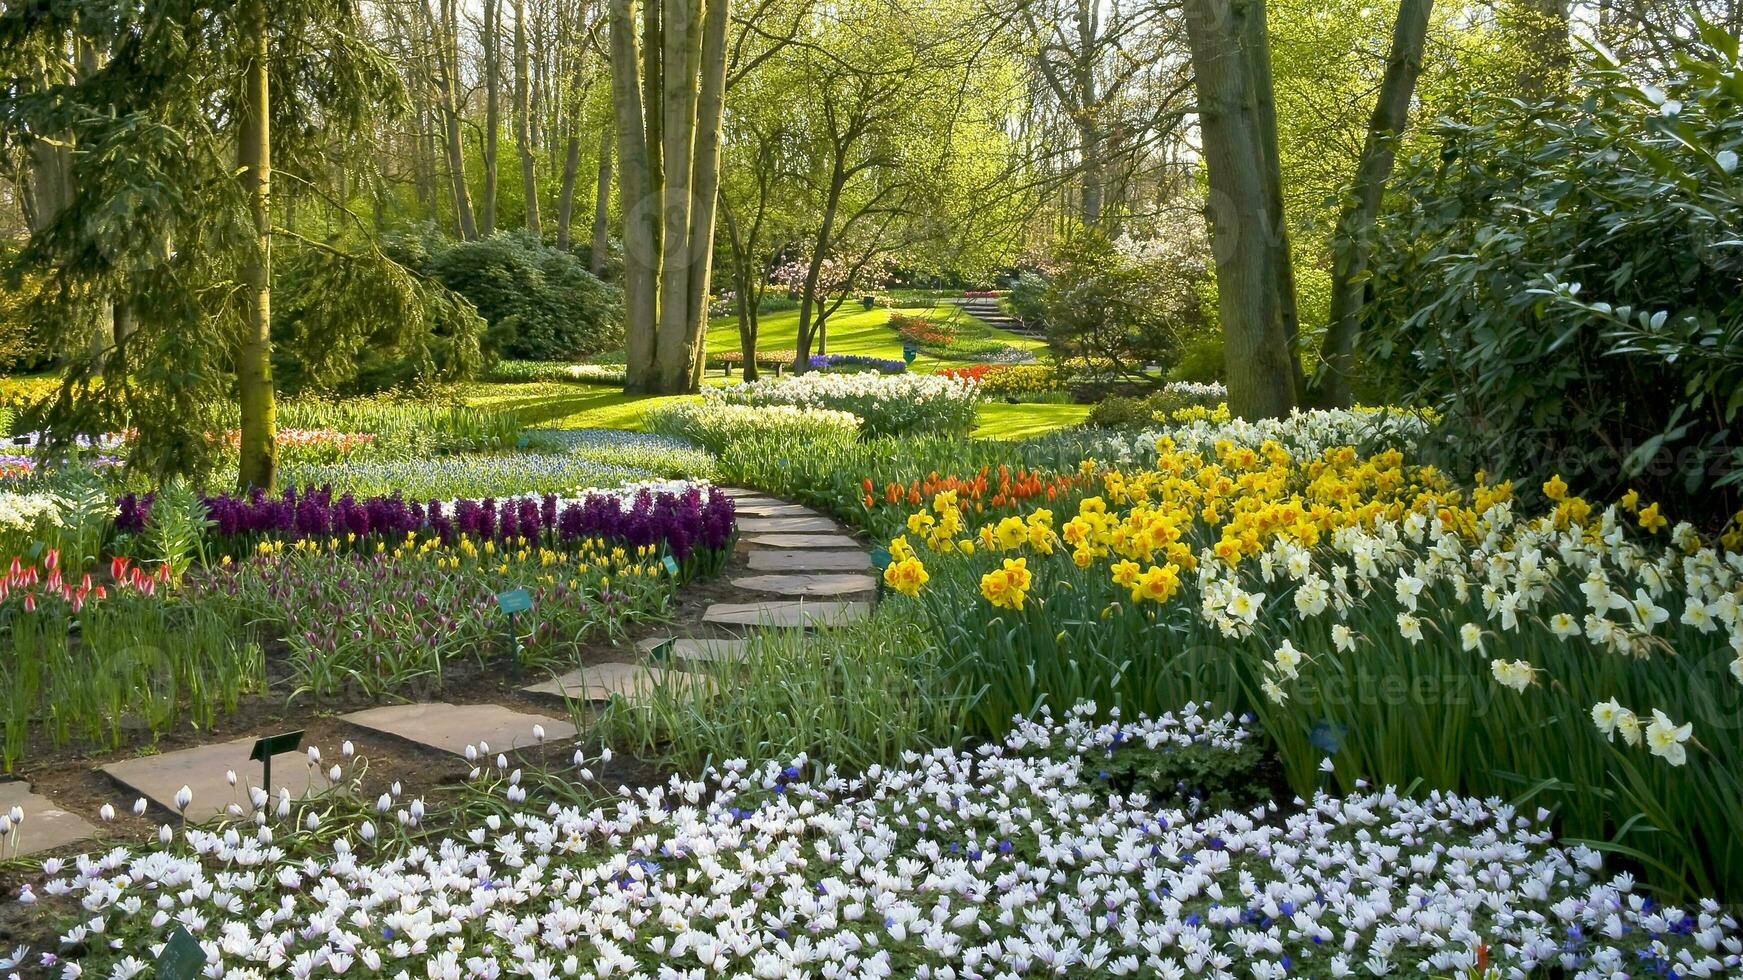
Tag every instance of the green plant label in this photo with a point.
(909, 352)
(182, 958)
(880, 558)
(670, 564)
(514, 601)
(272, 745)
(662, 651)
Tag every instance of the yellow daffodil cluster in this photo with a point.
(1149, 524)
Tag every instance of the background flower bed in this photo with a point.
(886, 405)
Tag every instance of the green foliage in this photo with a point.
(854, 696)
(1561, 283)
(365, 323)
(1126, 304)
(1217, 777)
(541, 304)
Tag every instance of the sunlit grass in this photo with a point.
(1000, 420)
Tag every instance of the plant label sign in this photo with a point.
(670, 564)
(514, 601)
(880, 558)
(266, 748)
(182, 958)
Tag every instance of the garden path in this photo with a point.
(797, 554)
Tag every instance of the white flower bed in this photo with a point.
(1013, 860)
(1303, 433)
(717, 425)
(888, 404)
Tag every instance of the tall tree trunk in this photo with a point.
(448, 57)
(259, 452)
(667, 186)
(1544, 31)
(1257, 47)
(745, 301)
(566, 191)
(640, 211)
(523, 133)
(1256, 348)
(492, 111)
(705, 186)
(601, 243)
(683, 55)
(1351, 242)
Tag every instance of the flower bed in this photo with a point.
(856, 362)
(886, 404)
(1370, 610)
(676, 517)
(718, 426)
(1025, 857)
(466, 474)
(377, 620)
(1016, 382)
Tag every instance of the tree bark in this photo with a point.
(640, 213)
(492, 111)
(1352, 240)
(523, 134)
(678, 102)
(448, 60)
(566, 191)
(1544, 30)
(1257, 47)
(601, 245)
(1256, 348)
(705, 186)
(259, 453)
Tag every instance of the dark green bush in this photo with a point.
(366, 323)
(1126, 304)
(541, 304)
(1562, 282)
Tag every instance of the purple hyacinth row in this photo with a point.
(678, 520)
(882, 365)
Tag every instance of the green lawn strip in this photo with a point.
(1002, 420)
(854, 330)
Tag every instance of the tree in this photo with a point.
(668, 70)
(1355, 228)
(173, 218)
(523, 122)
(1230, 59)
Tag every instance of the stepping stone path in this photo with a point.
(785, 615)
(813, 561)
(45, 825)
(202, 770)
(452, 727)
(808, 584)
(786, 525)
(799, 554)
(602, 682)
(801, 541)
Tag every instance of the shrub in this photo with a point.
(1121, 411)
(1561, 283)
(365, 324)
(1128, 303)
(718, 426)
(541, 304)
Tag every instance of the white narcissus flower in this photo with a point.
(1515, 674)
(1664, 738)
(1606, 716)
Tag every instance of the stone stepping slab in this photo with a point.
(788, 525)
(789, 541)
(739, 492)
(45, 825)
(201, 769)
(451, 727)
(796, 560)
(772, 508)
(806, 584)
(785, 615)
(602, 682)
(694, 650)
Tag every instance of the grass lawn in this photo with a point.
(1001, 420)
(854, 330)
